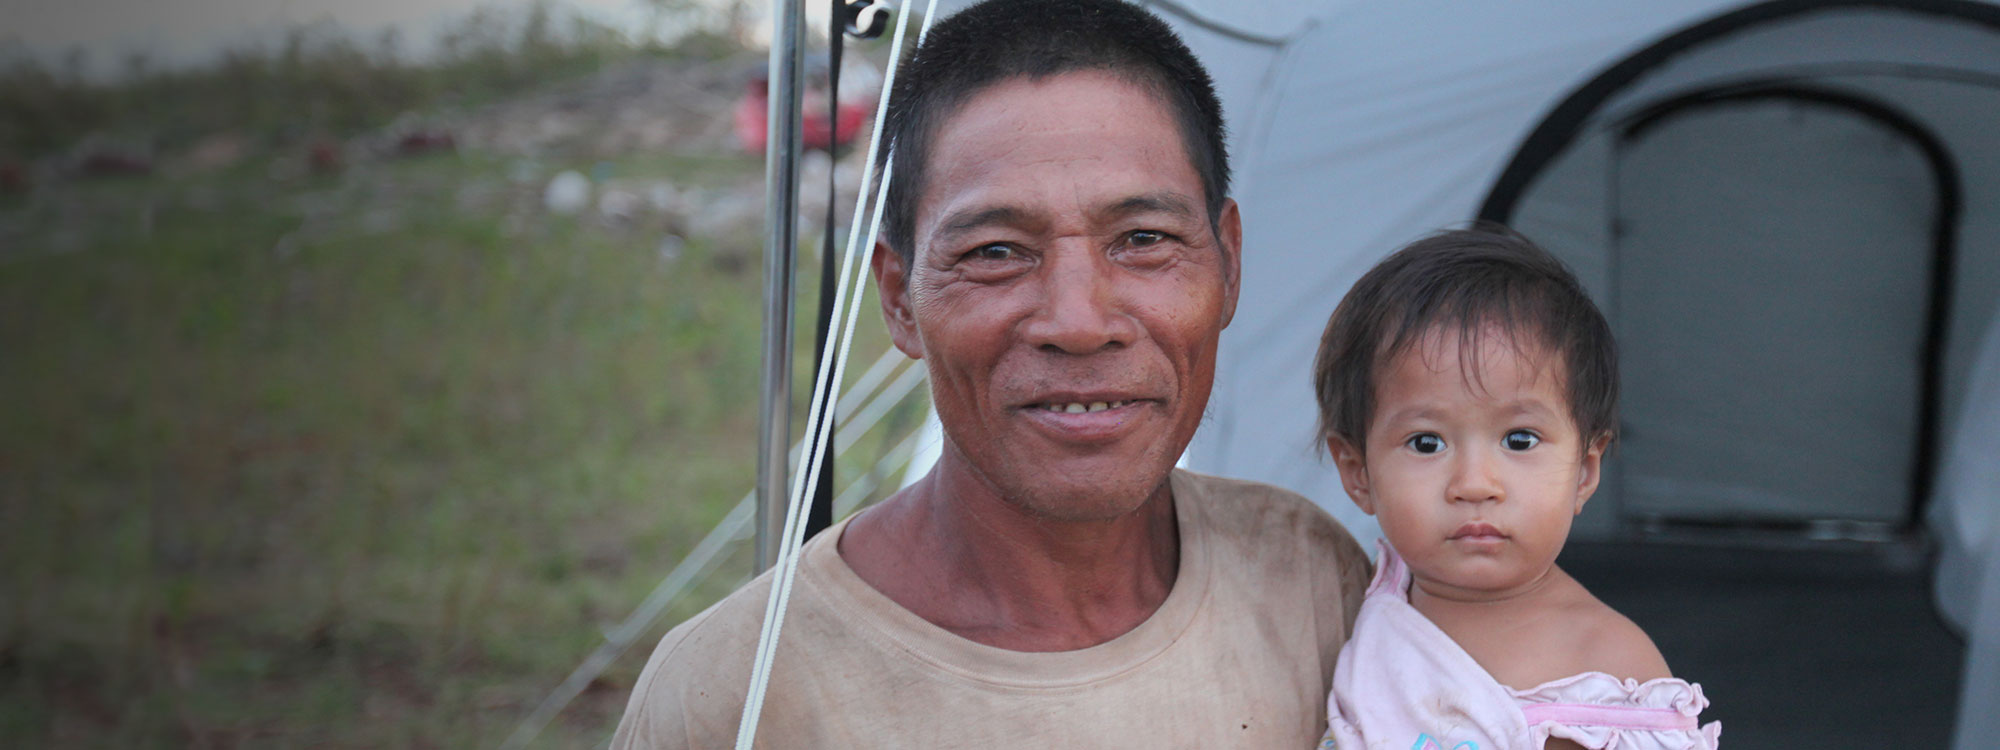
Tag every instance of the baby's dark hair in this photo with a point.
(1468, 281)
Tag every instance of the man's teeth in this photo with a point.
(1083, 408)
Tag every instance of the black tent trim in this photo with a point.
(1564, 124)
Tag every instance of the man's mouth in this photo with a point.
(1078, 407)
(1088, 417)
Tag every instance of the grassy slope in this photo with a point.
(359, 461)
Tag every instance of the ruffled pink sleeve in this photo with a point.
(1602, 712)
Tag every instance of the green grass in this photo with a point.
(355, 461)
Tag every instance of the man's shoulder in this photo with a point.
(1280, 557)
(697, 675)
(727, 628)
(1269, 534)
(1261, 510)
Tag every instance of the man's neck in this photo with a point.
(953, 552)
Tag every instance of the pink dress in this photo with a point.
(1402, 684)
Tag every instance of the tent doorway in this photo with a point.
(1771, 282)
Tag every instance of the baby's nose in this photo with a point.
(1473, 480)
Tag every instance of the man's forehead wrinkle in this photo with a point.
(975, 217)
(1167, 202)
(948, 166)
(985, 142)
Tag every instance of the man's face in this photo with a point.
(1066, 292)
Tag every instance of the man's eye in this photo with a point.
(1520, 440)
(995, 251)
(1145, 237)
(1425, 443)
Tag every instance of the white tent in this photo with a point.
(1790, 210)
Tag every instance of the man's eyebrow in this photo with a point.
(1163, 202)
(966, 220)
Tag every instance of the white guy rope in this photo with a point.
(832, 361)
(787, 565)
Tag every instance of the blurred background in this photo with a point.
(366, 364)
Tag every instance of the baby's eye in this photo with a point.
(1520, 440)
(1425, 444)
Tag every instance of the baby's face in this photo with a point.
(1474, 475)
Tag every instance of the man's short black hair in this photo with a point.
(1468, 282)
(998, 40)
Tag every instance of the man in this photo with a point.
(1060, 252)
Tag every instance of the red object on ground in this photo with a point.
(324, 156)
(425, 141)
(753, 114)
(848, 117)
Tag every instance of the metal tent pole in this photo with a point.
(782, 148)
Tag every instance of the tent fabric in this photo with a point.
(1980, 692)
(1393, 119)
(1966, 518)
(1373, 123)
(1357, 126)
(1390, 121)
(1966, 511)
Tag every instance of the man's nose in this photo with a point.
(1081, 311)
(1473, 479)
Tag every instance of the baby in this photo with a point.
(1467, 391)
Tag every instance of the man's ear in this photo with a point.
(892, 282)
(1229, 225)
(1592, 471)
(1353, 473)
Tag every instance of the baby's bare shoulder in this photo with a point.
(1609, 642)
(1570, 633)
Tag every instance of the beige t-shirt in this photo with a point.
(1239, 655)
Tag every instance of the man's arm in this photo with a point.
(1341, 584)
